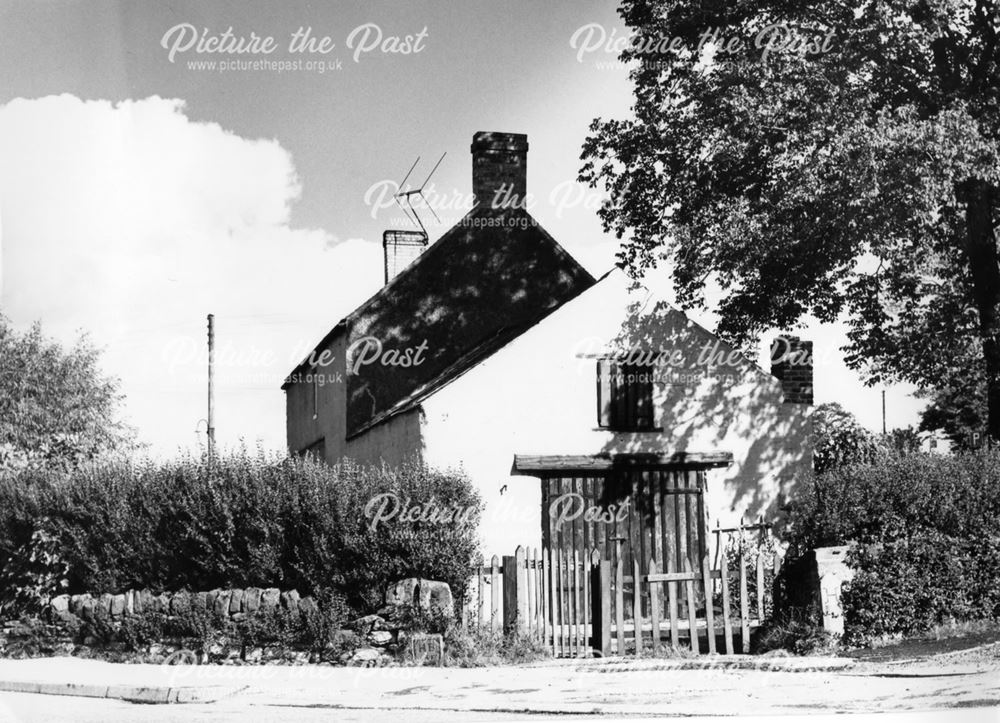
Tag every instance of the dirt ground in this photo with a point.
(919, 648)
(949, 684)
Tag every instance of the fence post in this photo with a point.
(777, 599)
(600, 601)
(495, 594)
(654, 604)
(619, 596)
(509, 592)
(744, 601)
(480, 602)
(761, 541)
(521, 558)
(555, 604)
(532, 605)
(637, 605)
(515, 596)
(706, 574)
(727, 622)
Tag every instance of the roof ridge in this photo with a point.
(386, 288)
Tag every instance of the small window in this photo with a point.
(624, 396)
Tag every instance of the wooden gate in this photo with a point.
(582, 604)
(629, 516)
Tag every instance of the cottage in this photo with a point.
(588, 411)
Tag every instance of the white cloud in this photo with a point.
(133, 222)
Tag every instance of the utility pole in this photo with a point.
(883, 411)
(211, 386)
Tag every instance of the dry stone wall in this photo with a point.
(224, 602)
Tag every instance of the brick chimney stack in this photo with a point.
(500, 168)
(792, 364)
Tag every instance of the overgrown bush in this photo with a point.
(246, 520)
(797, 631)
(926, 534)
(474, 645)
(480, 646)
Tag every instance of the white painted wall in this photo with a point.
(393, 442)
(538, 396)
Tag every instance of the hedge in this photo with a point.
(245, 520)
(925, 534)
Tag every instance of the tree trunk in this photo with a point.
(980, 199)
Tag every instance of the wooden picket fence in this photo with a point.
(578, 606)
(546, 594)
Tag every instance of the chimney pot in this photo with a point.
(400, 249)
(792, 364)
(500, 168)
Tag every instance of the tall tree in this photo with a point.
(839, 160)
(958, 409)
(56, 406)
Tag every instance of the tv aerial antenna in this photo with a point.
(406, 197)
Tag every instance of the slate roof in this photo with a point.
(489, 278)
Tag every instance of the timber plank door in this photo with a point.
(633, 513)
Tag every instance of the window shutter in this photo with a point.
(644, 398)
(604, 393)
(629, 416)
(619, 391)
(624, 396)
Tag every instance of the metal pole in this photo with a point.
(211, 385)
(883, 411)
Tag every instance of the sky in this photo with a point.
(145, 184)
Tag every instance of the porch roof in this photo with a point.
(533, 464)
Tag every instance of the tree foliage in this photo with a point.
(57, 407)
(840, 439)
(851, 177)
(958, 408)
